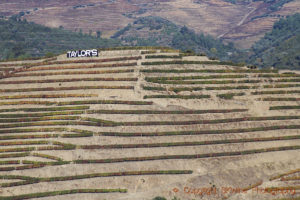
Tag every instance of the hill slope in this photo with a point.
(243, 22)
(151, 31)
(146, 122)
(279, 48)
(22, 39)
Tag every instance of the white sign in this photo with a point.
(82, 53)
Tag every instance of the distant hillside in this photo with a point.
(242, 22)
(21, 39)
(156, 31)
(275, 5)
(279, 48)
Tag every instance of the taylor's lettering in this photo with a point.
(82, 53)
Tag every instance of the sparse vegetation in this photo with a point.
(116, 127)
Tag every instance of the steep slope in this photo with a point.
(242, 22)
(259, 20)
(22, 39)
(144, 122)
(150, 31)
(279, 48)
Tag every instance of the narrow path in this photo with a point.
(246, 16)
(241, 22)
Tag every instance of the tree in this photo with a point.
(98, 34)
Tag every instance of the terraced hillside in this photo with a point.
(146, 122)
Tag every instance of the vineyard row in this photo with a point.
(63, 146)
(76, 102)
(67, 88)
(82, 67)
(191, 62)
(182, 82)
(73, 73)
(208, 71)
(85, 133)
(68, 80)
(193, 156)
(30, 180)
(120, 112)
(86, 121)
(62, 192)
